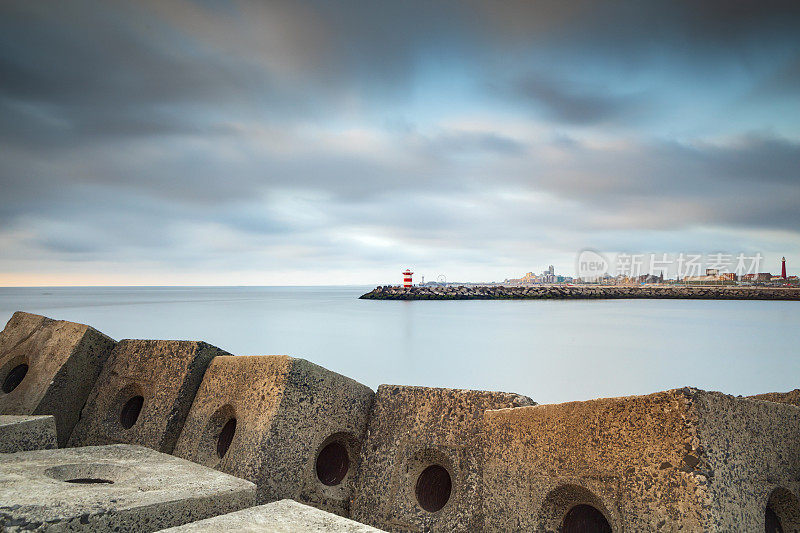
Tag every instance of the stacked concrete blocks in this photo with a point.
(144, 394)
(112, 488)
(680, 460)
(422, 461)
(290, 426)
(48, 367)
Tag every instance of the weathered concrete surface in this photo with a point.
(162, 376)
(284, 516)
(411, 430)
(141, 490)
(48, 367)
(581, 292)
(680, 460)
(792, 397)
(286, 411)
(19, 433)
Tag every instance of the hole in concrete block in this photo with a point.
(218, 436)
(573, 508)
(226, 437)
(89, 473)
(772, 524)
(130, 412)
(782, 512)
(433, 488)
(333, 463)
(14, 377)
(585, 519)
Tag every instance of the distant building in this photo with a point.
(712, 277)
(700, 279)
(760, 277)
(649, 278)
(549, 275)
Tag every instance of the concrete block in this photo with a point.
(144, 394)
(290, 426)
(22, 433)
(48, 367)
(680, 460)
(111, 488)
(284, 516)
(422, 461)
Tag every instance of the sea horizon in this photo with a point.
(552, 351)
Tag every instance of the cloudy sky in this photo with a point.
(168, 143)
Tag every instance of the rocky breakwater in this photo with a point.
(565, 292)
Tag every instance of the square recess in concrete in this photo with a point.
(112, 488)
(144, 393)
(290, 426)
(48, 367)
(19, 433)
(422, 461)
(284, 516)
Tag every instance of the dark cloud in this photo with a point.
(476, 143)
(573, 103)
(748, 181)
(785, 81)
(88, 72)
(630, 29)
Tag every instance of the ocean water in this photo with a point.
(553, 351)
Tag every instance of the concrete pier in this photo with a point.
(581, 292)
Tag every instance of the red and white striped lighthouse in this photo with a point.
(407, 278)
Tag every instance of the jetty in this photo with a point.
(581, 292)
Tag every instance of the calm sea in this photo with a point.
(553, 351)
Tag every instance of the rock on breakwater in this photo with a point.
(565, 292)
